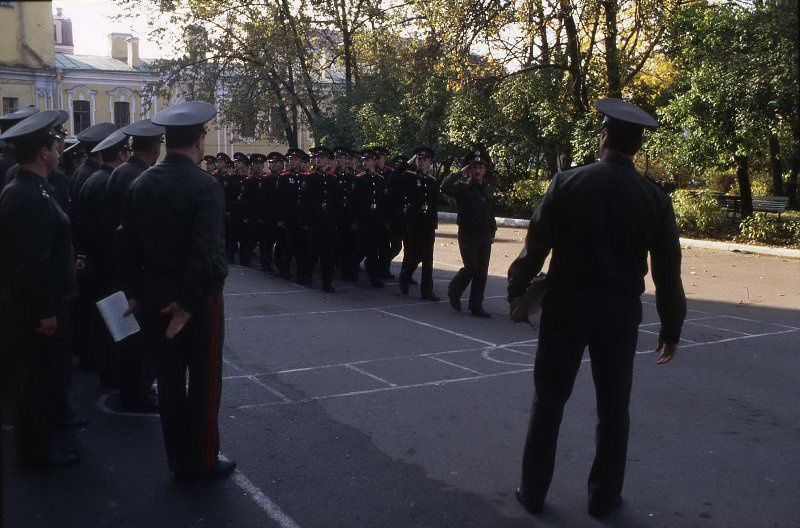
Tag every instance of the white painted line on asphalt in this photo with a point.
(270, 389)
(718, 328)
(370, 375)
(270, 508)
(435, 327)
(233, 365)
(324, 312)
(658, 333)
(275, 292)
(762, 322)
(487, 355)
(102, 405)
(455, 365)
(387, 389)
(446, 264)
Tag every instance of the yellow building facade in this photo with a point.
(38, 67)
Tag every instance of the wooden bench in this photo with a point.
(762, 204)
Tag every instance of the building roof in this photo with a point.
(68, 61)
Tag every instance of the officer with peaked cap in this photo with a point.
(226, 173)
(369, 216)
(421, 219)
(37, 278)
(94, 235)
(211, 164)
(7, 158)
(173, 256)
(137, 371)
(295, 239)
(395, 212)
(600, 221)
(267, 205)
(248, 208)
(476, 228)
(89, 138)
(320, 207)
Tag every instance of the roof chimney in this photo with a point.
(119, 48)
(133, 52)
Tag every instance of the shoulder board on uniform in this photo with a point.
(360, 174)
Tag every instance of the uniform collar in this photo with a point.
(35, 178)
(136, 160)
(618, 158)
(180, 159)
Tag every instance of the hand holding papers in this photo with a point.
(113, 309)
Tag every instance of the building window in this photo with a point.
(122, 113)
(81, 116)
(10, 105)
(5, 3)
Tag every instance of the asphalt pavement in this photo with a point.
(370, 409)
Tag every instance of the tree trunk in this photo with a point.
(745, 192)
(573, 49)
(776, 166)
(791, 186)
(612, 54)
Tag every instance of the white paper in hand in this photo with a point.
(112, 308)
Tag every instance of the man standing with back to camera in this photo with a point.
(600, 221)
(171, 248)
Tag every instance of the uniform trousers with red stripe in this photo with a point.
(189, 411)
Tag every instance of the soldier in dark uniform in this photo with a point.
(7, 157)
(348, 240)
(89, 138)
(267, 209)
(369, 215)
(94, 236)
(37, 280)
(227, 175)
(249, 206)
(321, 201)
(421, 192)
(395, 211)
(137, 371)
(288, 195)
(241, 165)
(72, 158)
(211, 164)
(58, 179)
(171, 247)
(600, 221)
(476, 229)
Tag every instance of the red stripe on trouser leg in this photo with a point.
(211, 422)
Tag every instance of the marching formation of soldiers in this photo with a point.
(336, 209)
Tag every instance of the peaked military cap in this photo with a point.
(296, 153)
(369, 154)
(38, 123)
(341, 151)
(323, 151)
(381, 151)
(60, 120)
(221, 156)
(115, 139)
(209, 159)
(192, 113)
(241, 156)
(9, 120)
(624, 113)
(257, 158)
(275, 156)
(76, 148)
(397, 160)
(144, 128)
(476, 156)
(424, 152)
(96, 133)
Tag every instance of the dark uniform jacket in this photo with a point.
(248, 198)
(118, 184)
(80, 176)
(37, 268)
(368, 199)
(170, 239)
(421, 201)
(7, 160)
(600, 221)
(475, 204)
(321, 200)
(60, 184)
(288, 195)
(93, 234)
(268, 197)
